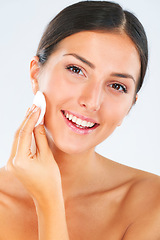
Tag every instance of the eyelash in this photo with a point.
(74, 68)
(71, 67)
(123, 88)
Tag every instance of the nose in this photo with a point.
(91, 97)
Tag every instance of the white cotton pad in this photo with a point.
(39, 101)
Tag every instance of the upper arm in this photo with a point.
(145, 211)
(146, 227)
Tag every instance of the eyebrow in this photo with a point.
(91, 65)
(82, 59)
(123, 75)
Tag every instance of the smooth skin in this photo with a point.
(58, 187)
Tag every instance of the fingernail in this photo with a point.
(42, 122)
(33, 106)
(36, 109)
(28, 110)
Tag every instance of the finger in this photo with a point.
(41, 139)
(16, 137)
(27, 113)
(25, 135)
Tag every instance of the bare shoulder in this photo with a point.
(140, 206)
(138, 181)
(15, 203)
(10, 185)
(12, 190)
(7, 201)
(145, 188)
(143, 205)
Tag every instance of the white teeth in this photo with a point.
(84, 123)
(74, 119)
(91, 124)
(88, 124)
(79, 121)
(70, 117)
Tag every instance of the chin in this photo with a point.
(71, 143)
(71, 148)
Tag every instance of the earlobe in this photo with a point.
(119, 124)
(34, 72)
(134, 101)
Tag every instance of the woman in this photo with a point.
(90, 65)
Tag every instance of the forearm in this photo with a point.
(40, 175)
(52, 220)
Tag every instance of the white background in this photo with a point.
(137, 142)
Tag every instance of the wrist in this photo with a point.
(52, 219)
(49, 199)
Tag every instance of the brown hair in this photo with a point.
(94, 15)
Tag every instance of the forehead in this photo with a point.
(102, 40)
(106, 50)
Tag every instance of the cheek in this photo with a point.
(115, 110)
(59, 93)
(54, 86)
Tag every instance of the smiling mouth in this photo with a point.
(78, 122)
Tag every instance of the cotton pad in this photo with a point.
(39, 101)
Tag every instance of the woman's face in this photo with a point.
(89, 83)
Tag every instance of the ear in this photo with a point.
(119, 124)
(134, 101)
(136, 98)
(34, 72)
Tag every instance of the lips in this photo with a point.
(79, 123)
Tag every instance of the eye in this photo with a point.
(118, 87)
(75, 70)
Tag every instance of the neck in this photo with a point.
(71, 164)
(77, 170)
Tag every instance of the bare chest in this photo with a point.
(18, 220)
(95, 219)
(92, 218)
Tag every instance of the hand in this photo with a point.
(39, 173)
